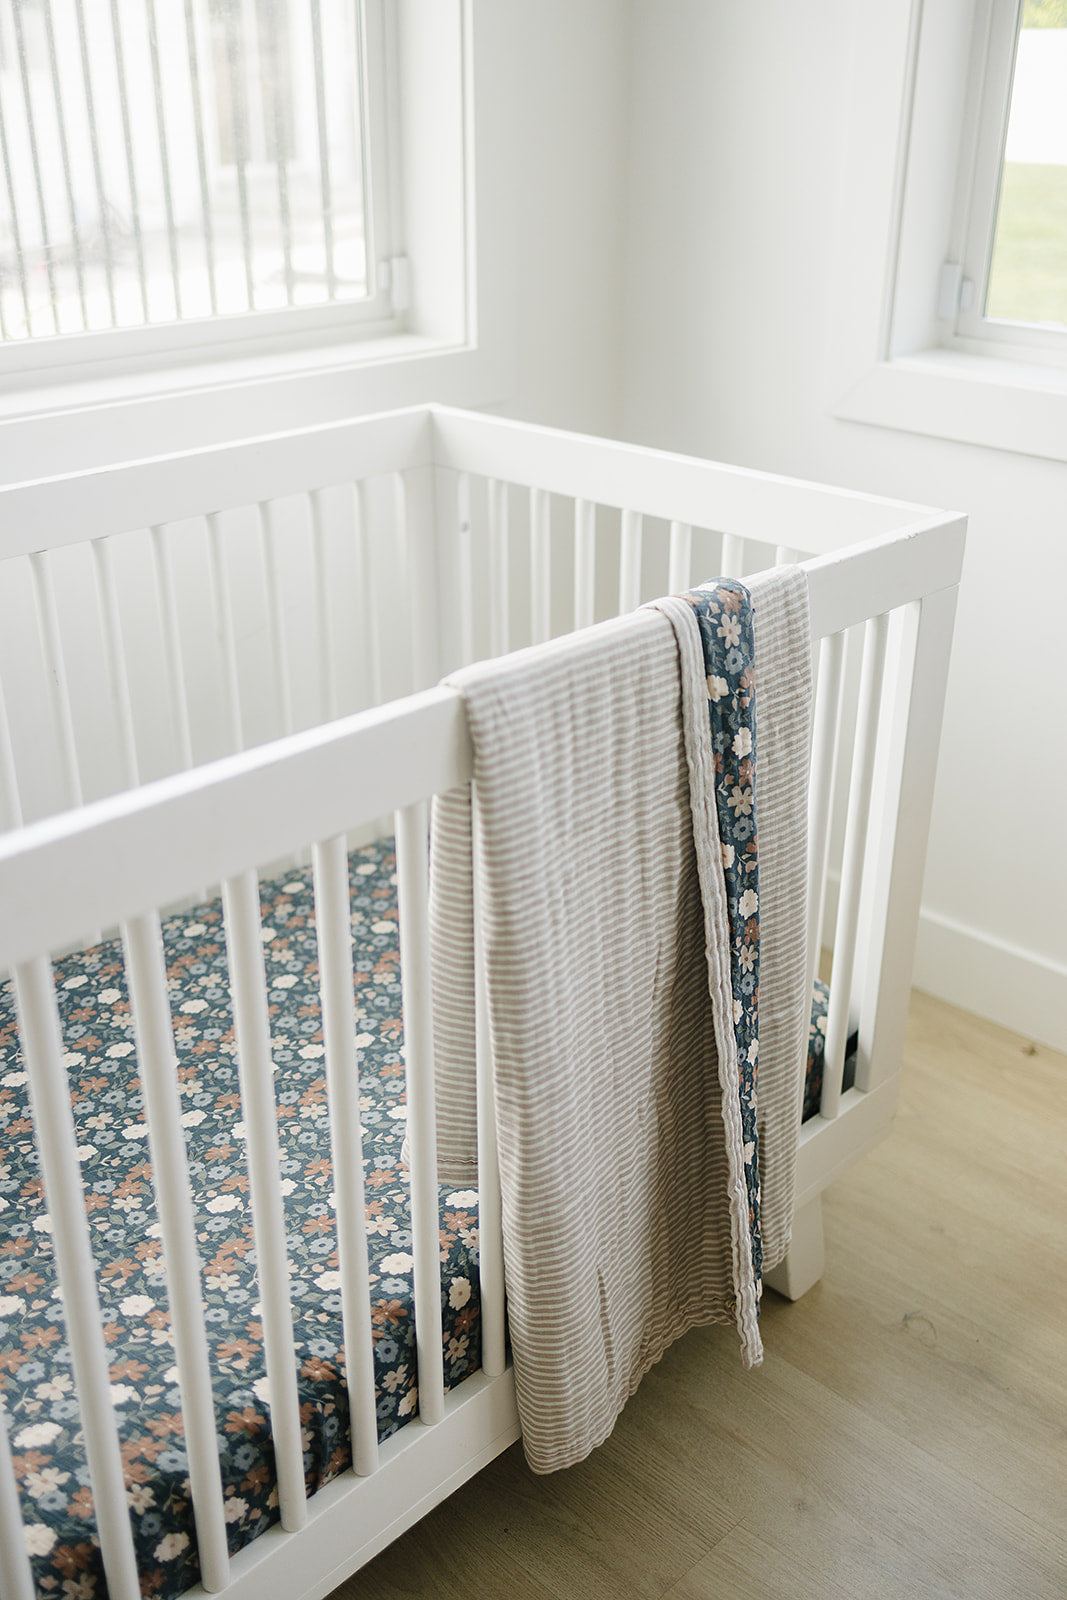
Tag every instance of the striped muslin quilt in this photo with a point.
(614, 772)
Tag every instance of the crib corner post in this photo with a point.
(802, 1265)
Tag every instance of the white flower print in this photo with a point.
(717, 688)
(171, 1546)
(740, 800)
(742, 743)
(137, 1305)
(39, 1539)
(46, 1481)
(40, 1433)
(729, 630)
(399, 1261)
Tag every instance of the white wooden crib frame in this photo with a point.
(115, 861)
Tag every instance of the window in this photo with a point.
(968, 339)
(166, 162)
(1011, 284)
(421, 158)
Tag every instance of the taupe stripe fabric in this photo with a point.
(782, 624)
(625, 1218)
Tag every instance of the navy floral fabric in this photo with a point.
(724, 615)
(35, 1369)
(820, 1007)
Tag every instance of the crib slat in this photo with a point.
(540, 567)
(368, 611)
(408, 578)
(490, 1225)
(415, 519)
(146, 976)
(269, 555)
(118, 677)
(223, 605)
(244, 949)
(9, 783)
(172, 645)
(411, 861)
(498, 567)
(42, 1045)
(820, 814)
(334, 933)
(465, 569)
(584, 562)
(853, 638)
(323, 628)
(630, 562)
(859, 801)
(16, 1576)
(732, 559)
(56, 674)
(681, 557)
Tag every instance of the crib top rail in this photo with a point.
(147, 847)
(53, 512)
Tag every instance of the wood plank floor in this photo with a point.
(906, 1435)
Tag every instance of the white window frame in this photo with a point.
(67, 356)
(914, 360)
(978, 193)
(449, 133)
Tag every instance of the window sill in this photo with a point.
(57, 428)
(984, 400)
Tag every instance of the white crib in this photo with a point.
(256, 630)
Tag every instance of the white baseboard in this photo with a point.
(1016, 988)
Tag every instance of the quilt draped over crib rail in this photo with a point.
(618, 994)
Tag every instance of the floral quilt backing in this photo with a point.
(820, 1008)
(724, 616)
(35, 1369)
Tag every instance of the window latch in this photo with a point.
(955, 293)
(394, 274)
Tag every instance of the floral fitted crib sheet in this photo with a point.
(35, 1370)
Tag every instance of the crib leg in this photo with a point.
(803, 1262)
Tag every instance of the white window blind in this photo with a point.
(166, 161)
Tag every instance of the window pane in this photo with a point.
(162, 160)
(1028, 273)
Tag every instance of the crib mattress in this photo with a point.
(35, 1370)
(34, 1357)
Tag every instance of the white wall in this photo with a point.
(738, 322)
(572, 76)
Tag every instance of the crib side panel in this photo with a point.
(879, 703)
(137, 654)
(913, 729)
(313, 790)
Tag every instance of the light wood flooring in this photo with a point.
(906, 1435)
